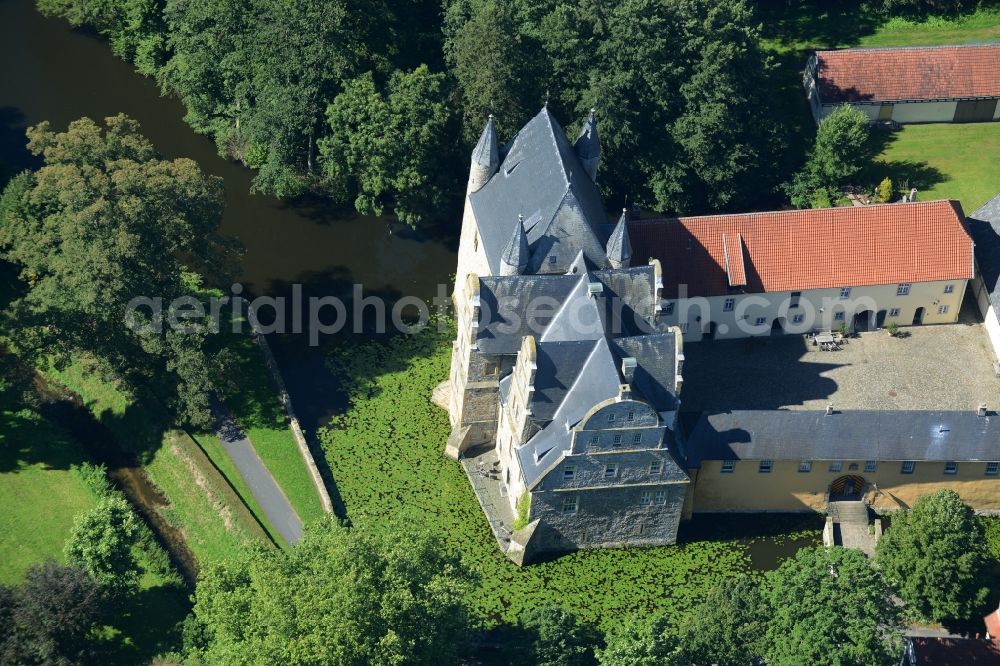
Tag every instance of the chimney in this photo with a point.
(829, 410)
(982, 410)
(595, 289)
(628, 369)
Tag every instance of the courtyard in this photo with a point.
(940, 367)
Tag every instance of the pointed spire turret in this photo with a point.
(515, 255)
(619, 247)
(485, 157)
(588, 146)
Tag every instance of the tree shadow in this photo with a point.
(150, 622)
(14, 155)
(905, 174)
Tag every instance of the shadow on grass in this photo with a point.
(150, 622)
(905, 174)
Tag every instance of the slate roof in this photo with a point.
(909, 73)
(573, 377)
(619, 247)
(516, 253)
(486, 152)
(809, 249)
(850, 435)
(539, 177)
(984, 226)
(562, 302)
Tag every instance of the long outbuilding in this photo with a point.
(927, 84)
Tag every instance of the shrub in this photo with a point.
(523, 510)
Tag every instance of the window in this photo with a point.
(611, 417)
(656, 467)
(618, 439)
(570, 505)
(836, 465)
(491, 369)
(728, 466)
(951, 467)
(595, 440)
(630, 416)
(894, 312)
(949, 288)
(760, 321)
(552, 258)
(797, 319)
(610, 470)
(728, 305)
(908, 467)
(942, 309)
(637, 438)
(660, 497)
(870, 465)
(668, 308)
(845, 293)
(475, 241)
(903, 290)
(765, 466)
(992, 468)
(646, 498)
(569, 472)
(793, 300)
(805, 466)
(838, 316)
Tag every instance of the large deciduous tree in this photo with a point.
(728, 626)
(935, 556)
(643, 641)
(559, 638)
(103, 542)
(391, 148)
(829, 606)
(841, 150)
(49, 619)
(340, 596)
(102, 222)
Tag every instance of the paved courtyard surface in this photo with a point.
(941, 367)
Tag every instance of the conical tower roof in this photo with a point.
(486, 152)
(515, 255)
(619, 247)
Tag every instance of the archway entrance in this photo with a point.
(848, 487)
(918, 317)
(778, 326)
(863, 321)
(710, 331)
(880, 319)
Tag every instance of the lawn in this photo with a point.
(255, 405)
(793, 29)
(200, 505)
(385, 454)
(944, 161)
(39, 493)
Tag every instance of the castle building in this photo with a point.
(567, 371)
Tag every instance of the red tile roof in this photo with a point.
(954, 652)
(810, 249)
(934, 72)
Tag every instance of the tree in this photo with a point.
(340, 596)
(102, 543)
(559, 638)
(391, 148)
(829, 606)
(935, 556)
(134, 28)
(727, 627)
(50, 618)
(102, 222)
(643, 641)
(841, 150)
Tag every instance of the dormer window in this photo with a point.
(630, 417)
(552, 259)
(611, 417)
